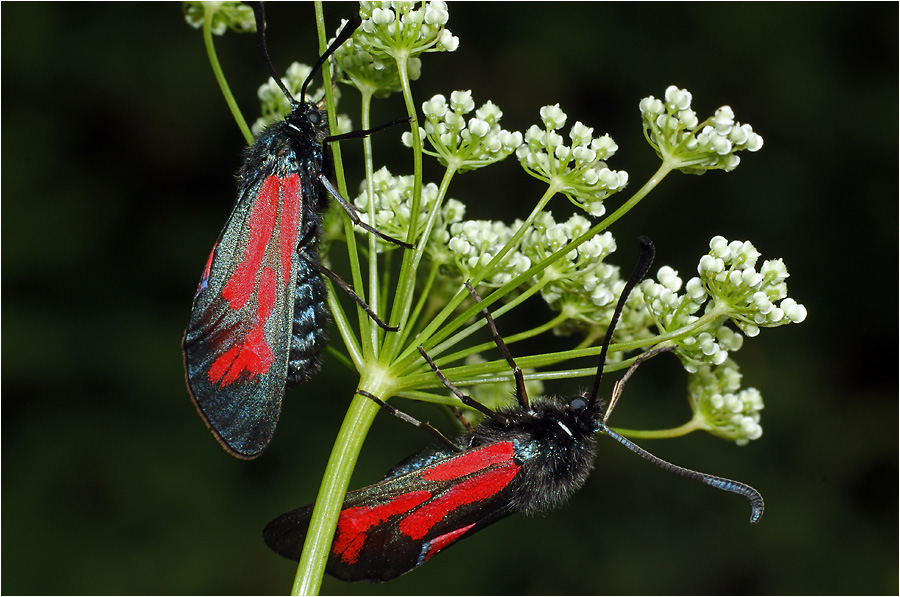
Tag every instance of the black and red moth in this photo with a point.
(259, 314)
(530, 457)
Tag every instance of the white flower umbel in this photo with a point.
(728, 287)
(403, 30)
(462, 143)
(393, 207)
(684, 143)
(222, 16)
(721, 407)
(375, 76)
(473, 243)
(578, 170)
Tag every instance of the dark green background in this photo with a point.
(118, 154)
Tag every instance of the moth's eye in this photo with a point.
(578, 403)
(314, 118)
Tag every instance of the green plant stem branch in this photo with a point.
(407, 280)
(370, 340)
(347, 447)
(430, 336)
(481, 322)
(359, 417)
(660, 433)
(508, 340)
(420, 304)
(208, 12)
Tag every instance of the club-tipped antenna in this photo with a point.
(757, 505)
(637, 274)
(348, 29)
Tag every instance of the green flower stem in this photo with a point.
(481, 322)
(208, 11)
(347, 447)
(481, 372)
(660, 433)
(430, 335)
(407, 280)
(420, 304)
(409, 322)
(362, 411)
(508, 340)
(370, 340)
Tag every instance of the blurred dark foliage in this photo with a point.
(118, 156)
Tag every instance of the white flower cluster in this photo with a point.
(275, 105)
(465, 144)
(372, 75)
(236, 16)
(578, 170)
(728, 274)
(721, 407)
(738, 292)
(474, 243)
(393, 207)
(405, 29)
(580, 284)
(677, 135)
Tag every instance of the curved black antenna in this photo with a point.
(351, 26)
(639, 271)
(260, 16)
(757, 504)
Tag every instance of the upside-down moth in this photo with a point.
(529, 457)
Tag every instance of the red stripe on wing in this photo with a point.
(355, 523)
(261, 225)
(440, 542)
(474, 489)
(290, 226)
(252, 355)
(470, 462)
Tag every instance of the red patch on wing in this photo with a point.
(473, 489)
(290, 225)
(253, 354)
(470, 462)
(354, 523)
(261, 225)
(439, 543)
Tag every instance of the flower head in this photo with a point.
(403, 30)
(371, 74)
(578, 170)
(461, 142)
(393, 207)
(678, 136)
(721, 407)
(222, 16)
(474, 243)
(728, 288)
